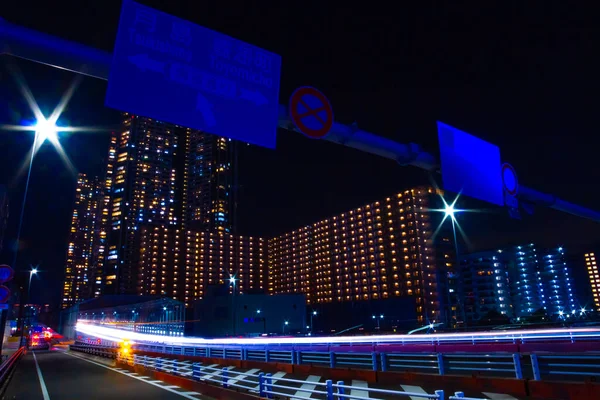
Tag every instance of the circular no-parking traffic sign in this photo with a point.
(6, 273)
(509, 179)
(311, 112)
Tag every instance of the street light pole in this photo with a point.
(32, 272)
(232, 282)
(311, 321)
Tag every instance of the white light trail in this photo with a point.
(118, 334)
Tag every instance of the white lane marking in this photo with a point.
(243, 377)
(359, 393)
(41, 378)
(219, 372)
(499, 396)
(187, 396)
(413, 389)
(192, 393)
(303, 394)
(173, 387)
(273, 380)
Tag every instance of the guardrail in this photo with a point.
(8, 366)
(101, 351)
(537, 366)
(264, 386)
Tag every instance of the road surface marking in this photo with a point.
(359, 393)
(273, 379)
(193, 393)
(303, 394)
(41, 378)
(413, 389)
(499, 396)
(243, 376)
(173, 387)
(211, 376)
(187, 396)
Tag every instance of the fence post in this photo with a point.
(459, 394)
(244, 353)
(225, 379)
(374, 360)
(175, 369)
(266, 355)
(292, 357)
(517, 363)
(439, 394)
(384, 366)
(329, 384)
(208, 352)
(158, 364)
(536, 367)
(196, 371)
(261, 384)
(440, 360)
(340, 390)
(331, 359)
(269, 387)
(298, 357)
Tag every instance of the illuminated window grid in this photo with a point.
(372, 252)
(594, 277)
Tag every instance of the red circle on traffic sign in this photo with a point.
(509, 179)
(4, 294)
(6, 273)
(311, 112)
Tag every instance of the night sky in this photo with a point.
(523, 77)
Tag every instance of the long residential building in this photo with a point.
(381, 250)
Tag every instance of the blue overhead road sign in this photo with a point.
(175, 71)
(470, 165)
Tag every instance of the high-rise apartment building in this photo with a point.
(594, 278)
(484, 285)
(163, 176)
(517, 281)
(86, 247)
(382, 250)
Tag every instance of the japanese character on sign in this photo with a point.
(244, 55)
(147, 18)
(181, 32)
(262, 61)
(222, 48)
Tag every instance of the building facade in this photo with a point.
(594, 278)
(86, 243)
(181, 265)
(484, 285)
(164, 176)
(517, 281)
(382, 250)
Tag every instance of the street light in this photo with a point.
(32, 272)
(285, 323)
(312, 314)
(378, 321)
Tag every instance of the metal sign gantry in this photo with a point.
(56, 52)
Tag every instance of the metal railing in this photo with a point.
(265, 385)
(8, 366)
(536, 366)
(100, 351)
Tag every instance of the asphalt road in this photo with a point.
(64, 376)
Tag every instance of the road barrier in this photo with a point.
(264, 386)
(8, 367)
(537, 366)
